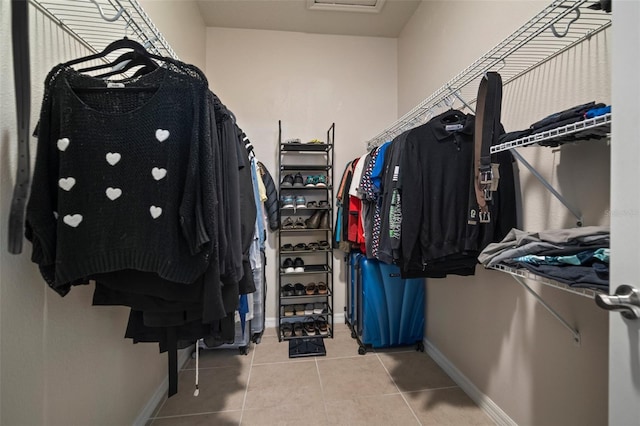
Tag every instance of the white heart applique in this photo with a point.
(66, 183)
(158, 173)
(113, 193)
(113, 158)
(162, 135)
(63, 144)
(72, 220)
(155, 211)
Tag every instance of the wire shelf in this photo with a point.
(528, 47)
(523, 273)
(557, 133)
(82, 20)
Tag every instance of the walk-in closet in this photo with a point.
(345, 212)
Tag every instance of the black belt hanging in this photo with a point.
(487, 125)
(22, 83)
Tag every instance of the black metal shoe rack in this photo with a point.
(308, 159)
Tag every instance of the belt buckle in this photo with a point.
(488, 194)
(486, 176)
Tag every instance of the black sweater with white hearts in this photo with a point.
(123, 178)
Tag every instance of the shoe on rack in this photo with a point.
(287, 329)
(298, 289)
(300, 224)
(300, 247)
(287, 202)
(313, 222)
(315, 142)
(321, 181)
(310, 181)
(301, 202)
(313, 246)
(312, 204)
(287, 224)
(323, 204)
(287, 290)
(299, 309)
(297, 328)
(324, 221)
(308, 309)
(298, 265)
(298, 181)
(324, 245)
(321, 323)
(287, 266)
(287, 181)
(310, 289)
(310, 327)
(286, 247)
(322, 288)
(293, 140)
(288, 310)
(318, 308)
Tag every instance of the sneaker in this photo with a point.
(298, 289)
(287, 202)
(310, 327)
(308, 309)
(301, 202)
(298, 182)
(312, 204)
(292, 140)
(287, 290)
(288, 266)
(288, 311)
(299, 224)
(310, 181)
(318, 308)
(321, 323)
(287, 181)
(321, 181)
(315, 142)
(298, 265)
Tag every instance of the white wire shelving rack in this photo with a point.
(603, 121)
(521, 275)
(560, 26)
(97, 23)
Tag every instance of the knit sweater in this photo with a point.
(119, 178)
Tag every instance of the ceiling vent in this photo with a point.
(367, 6)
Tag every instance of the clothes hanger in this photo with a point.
(127, 61)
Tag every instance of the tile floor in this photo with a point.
(384, 387)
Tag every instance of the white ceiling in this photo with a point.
(293, 15)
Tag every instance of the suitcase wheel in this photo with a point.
(362, 350)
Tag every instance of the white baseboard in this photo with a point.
(483, 401)
(183, 357)
(270, 322)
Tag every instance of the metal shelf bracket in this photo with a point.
(547, 185)
(574, 332)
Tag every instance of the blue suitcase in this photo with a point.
(389, 310)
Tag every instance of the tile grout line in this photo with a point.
(324, 400)
(246, 389)
(396, 385)
(177, 416)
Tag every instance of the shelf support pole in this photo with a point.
(575, 333)
(547, 185)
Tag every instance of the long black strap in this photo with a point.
(487, 125)
(22, 83)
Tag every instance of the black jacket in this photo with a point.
(271, 205)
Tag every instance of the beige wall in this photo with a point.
(488, 326)
(308, 81)
(180, 22)
(62, 361)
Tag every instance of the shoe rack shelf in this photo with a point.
(301, 167)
